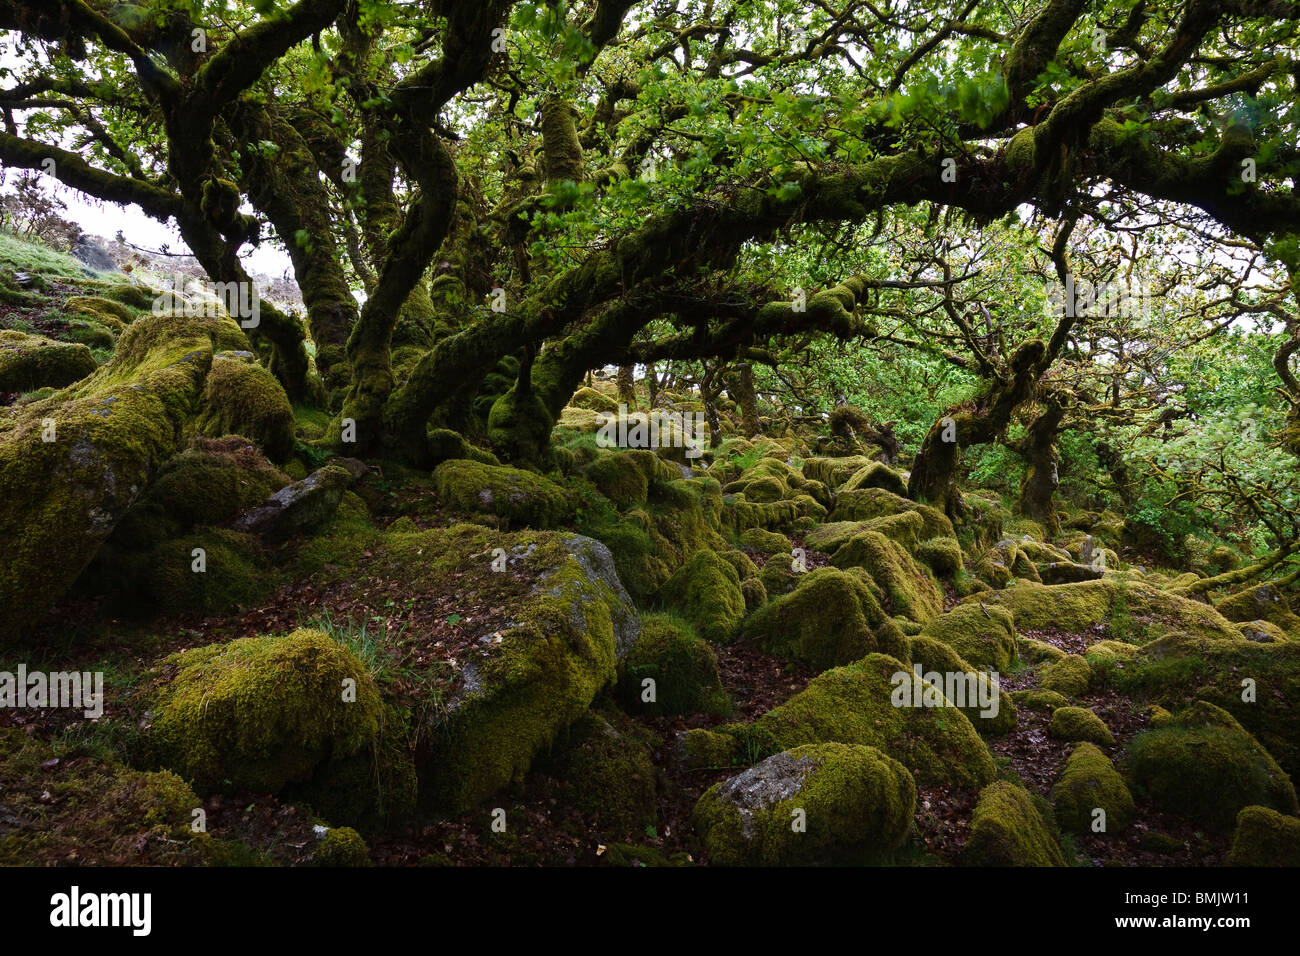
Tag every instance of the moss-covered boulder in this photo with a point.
(1040, 700)
(1070, 676)
(516, 695)
(1259, 684)
(98, 307)
(1145, 611)
(260, 713)
(1088, 783)
(865, 504)
(72, 464)
(586, 397)
(341, 846)
(31, 362)
(941, 555)
(208, 572)
(1009, 829)
(876, 475)
(908, 590)
(1034, 651)
(1261, 632)
(817, 804)
(1263, 602)
(765, 542)
(832, 617)
(520, 497)
(240, 397)
(1203, 765)
(974, 692)
(855, 705)
(680, 665)
(833, 472)
(706, 592)
(208, 483)
(608, 775)
(1265, 837)
(1079, 723)
(620, 478)
(301, 505)
(984, 636)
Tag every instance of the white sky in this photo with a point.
(105, 219)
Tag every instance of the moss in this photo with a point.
(816, 804)
(937, 657)
(833, 472)
(682, 665)
(94, 335)
(765, 542)
(1007, 829)
(209, 482)
(627, 854)
(1162, 843)
(680, 517)
(942, 555)
(509, 493)
(112, 431)
(98, 307)
(1109, 654)
(519, 427)
(909, 590)
(1045, 700)
(1077, 607)
(706, 591)
(1261, 632)
(65, 805)
(594, 400)
(1070, 676)
(1088, 783)
(1179, 669)
(876, 475)
(1206, 767)
(1035, 651)
(519, 694)
(853, 705)
(755, 594)
(373, 790)
(445, 444)
(164, 579)
(620, 479)
(341, 846)
(1265, 837)
(778, 575)
(830, 536)
(135, 296)
(867, 503)
(241, 397)
(1263, 602)
(744, 565)
(1079, 723)
(985, 636)
(31, 362)
(830, 618)
(699, 749)
(763, 489)
(608, 775)
(260, 713)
